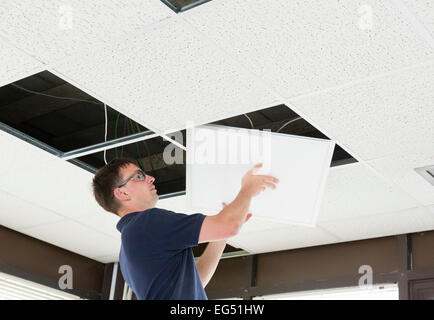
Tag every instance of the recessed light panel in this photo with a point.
(218, 157)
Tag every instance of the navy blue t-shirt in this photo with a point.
(156, 258)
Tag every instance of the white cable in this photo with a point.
(105, 135)
(52, 96)
(290, 121)
(251, 123)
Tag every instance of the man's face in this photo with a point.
(140, 193)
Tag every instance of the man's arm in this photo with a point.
(208, 261)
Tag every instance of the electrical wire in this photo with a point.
(73, 99)
(137, 147)
(57, 97)
(250, 120)
(124, 134)
(290, 121)
(116, 133)
(147, 150)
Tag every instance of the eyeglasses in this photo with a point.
(139, 175)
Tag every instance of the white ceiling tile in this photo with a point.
(31, 173)
(290, 237)
(400, 170)
(179, 204)
(16, 64)
(303, 46)
(254, 225)
(103, 222)
(382, 225)
(52, 31)
(108, 259)
(353, 190)
(209, 180)
(75, 237)
(165, 77)
(391, 115)
(19, 213)
(423, 10)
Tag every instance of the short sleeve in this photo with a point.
(173, 231)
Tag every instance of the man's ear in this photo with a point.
(120, 195)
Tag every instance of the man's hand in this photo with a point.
(254, 184)
(249, 215)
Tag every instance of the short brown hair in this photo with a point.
(105, 181)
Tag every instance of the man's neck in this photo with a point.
(128, 211)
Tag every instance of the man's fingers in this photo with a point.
(270, 185)
(256, 167)
(249, 215)
(270, 178)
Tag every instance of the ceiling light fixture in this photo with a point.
(183, 5)
(427, 173)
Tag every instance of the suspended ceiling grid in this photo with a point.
(356, 86)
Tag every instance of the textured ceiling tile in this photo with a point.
(391, 115)
(18, 213)
(382, 225)
(15, 64)
(39, 177)
(423, 10)
(53, 30)
(165, 77)
(352, 191)
(254, 225)
(179, 204)
(303, 46)
(75, 237)
(114, 257)
(19, 155)
(282, 239)
(103, 222)
(400, 170)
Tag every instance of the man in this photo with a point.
(156, 258)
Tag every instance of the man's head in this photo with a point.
(120, 187)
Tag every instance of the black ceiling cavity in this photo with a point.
(183, 5)
(283, 120)
(52, 114)
(169, 178)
